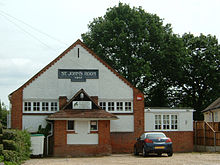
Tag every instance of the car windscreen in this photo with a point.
(155, 136)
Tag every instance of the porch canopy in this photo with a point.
(85, 114)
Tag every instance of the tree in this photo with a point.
(137, 45)
(3, 114)
(199, 84)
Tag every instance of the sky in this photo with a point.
(34, 32)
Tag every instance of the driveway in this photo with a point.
(129, 159)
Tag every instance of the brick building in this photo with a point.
(91, 108)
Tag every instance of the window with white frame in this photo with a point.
(36, 106)
(40, 107)
(45, 106)
(53, 106)
(93, 125)
(102, 105)
(173, 121)
(127, 106)
(166, 122)
(157, 121)
(70, 125)
(27, 106)
(111, 106)
(119, 106)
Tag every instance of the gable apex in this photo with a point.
(77, 97)
(78, 42)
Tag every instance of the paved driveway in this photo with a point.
(129, 159)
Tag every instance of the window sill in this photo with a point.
(93, 132)
(71, 132)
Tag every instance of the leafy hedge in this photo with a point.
(14, 146)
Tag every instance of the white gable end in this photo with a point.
(107, 86)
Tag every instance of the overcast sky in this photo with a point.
(34, 32)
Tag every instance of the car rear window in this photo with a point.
(155, 136)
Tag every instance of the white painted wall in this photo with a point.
(125, 123)
(209, 115)
(82, 135)
(32, 122)
(48, 86)
(185, 118)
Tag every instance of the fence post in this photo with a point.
(195, 131)
(215, 140)
(204, 137)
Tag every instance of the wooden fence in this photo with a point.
(206, 133)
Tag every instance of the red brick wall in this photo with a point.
(182, 140)
(124, 142)
(138, 109)
(62, 101)
(61, 148)
(16, 111)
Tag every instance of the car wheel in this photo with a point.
(144, 153)
(170, 154)
(135, 151)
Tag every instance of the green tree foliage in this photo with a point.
(137, 45)
(199, 84)
(169, 69)
(3, 114)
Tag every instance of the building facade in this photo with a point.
(176, 123)
(92, 109)
(212, 112)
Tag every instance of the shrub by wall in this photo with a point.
(15, 146)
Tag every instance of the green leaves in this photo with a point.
(169, 69)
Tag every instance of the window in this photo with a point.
(45, 106)
(127, 106)
(27, 106)
(166, 122)
(93, 125)
(111, 106)
(39, 107)
(102, 105)
(53, 106)
(216, 116)
(119, 106)
(173, 121)
(157, 121)
(70, 125)
(36, 106)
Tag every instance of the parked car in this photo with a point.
(153, 142)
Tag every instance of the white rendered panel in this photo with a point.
(185, 119)
(48, 86)
(125, 123)
(32, 122)
(82, 135)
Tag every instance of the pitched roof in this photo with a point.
(213, 106)
(82, 114)
(76, 95)
(78, 42)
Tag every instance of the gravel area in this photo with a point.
(129, 159)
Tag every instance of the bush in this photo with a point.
(16, 146)
(11, 156)
(1, 149)
(10, 145)
(9, 134)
